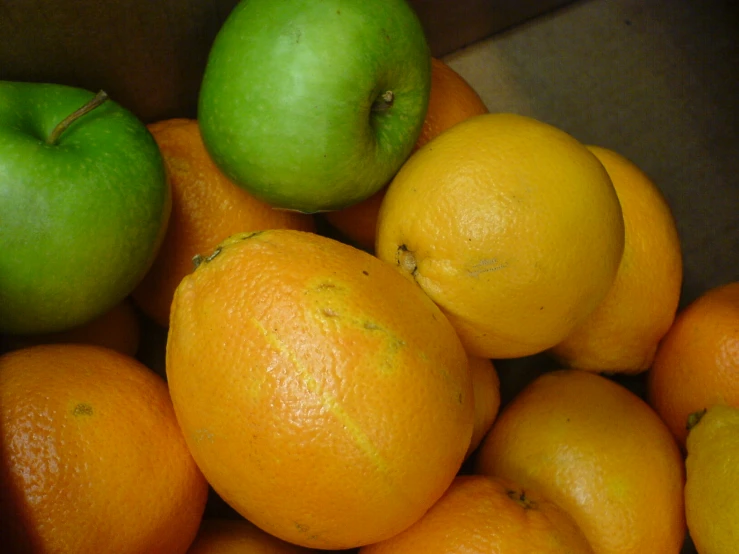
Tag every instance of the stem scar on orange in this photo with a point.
(598, 451)
(511, 226)
(324, 396)
(207, 207)
(488, 514)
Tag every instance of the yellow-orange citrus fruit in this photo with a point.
(601, 453)
(622, 334)
(207, 208)
(230, 536)
(511, 226)
(711, 494)
(488, 514)
(324, 396)
(486, 393)
(92, 457)
(451, 101)
(117, 328)
(697, 362)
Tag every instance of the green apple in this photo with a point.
(314, 105)
(84, 203)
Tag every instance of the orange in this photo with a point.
(697, 362)
(712, 465)
(451, 101)
(486, 394)
(357, 223)
(511, 226)
(488, 514)
(118, 329)
(207, 208)
(598, 451)
(93, 459)
(622, 334)
(226, 536)
(325, 397)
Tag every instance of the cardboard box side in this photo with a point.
(149, 56)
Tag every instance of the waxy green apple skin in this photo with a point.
(80, 220)
(291, 104)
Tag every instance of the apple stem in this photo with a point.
(62, 126)
(384, 101)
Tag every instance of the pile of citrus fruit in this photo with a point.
(330, 381)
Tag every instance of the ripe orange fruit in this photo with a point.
(697, 362)
(451, 101)
(207, 208)
(488, 514)
(229, 536)
(357, 223)
(324, 396)
(486, 394)
(712, 466)
(511, 226)
(598, 451)
(93, 459)
(118, 329)
(622, 334)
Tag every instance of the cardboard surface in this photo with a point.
(149, 56)
(451, 25)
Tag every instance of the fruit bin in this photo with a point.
(656, 81)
